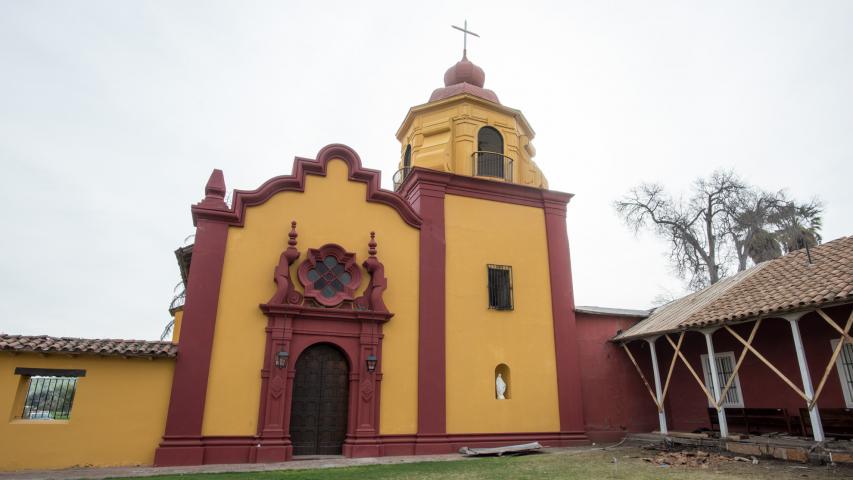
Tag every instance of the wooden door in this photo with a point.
(318, 420)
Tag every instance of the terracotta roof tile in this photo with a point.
(782, 285)
(125, 348)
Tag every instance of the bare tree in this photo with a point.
(695, 228)
(723, 225)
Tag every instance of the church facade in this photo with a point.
(325, 315)
(389, 315)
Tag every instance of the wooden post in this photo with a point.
(715, 382)
(817, 427)
(661, 414)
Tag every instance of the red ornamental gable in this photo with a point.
(213, 207)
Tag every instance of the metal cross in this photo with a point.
(465, 33)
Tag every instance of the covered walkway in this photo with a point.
(780, 336)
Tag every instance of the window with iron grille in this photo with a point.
(500, 287)
(725, 369)
(845, 371)
(49, 393)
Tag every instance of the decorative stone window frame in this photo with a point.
(316, 256)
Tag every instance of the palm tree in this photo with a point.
(798, 225)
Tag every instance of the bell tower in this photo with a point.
(464, 129)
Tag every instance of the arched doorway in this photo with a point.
(318, 419)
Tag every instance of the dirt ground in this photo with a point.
(624, 462)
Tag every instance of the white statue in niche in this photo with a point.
(500, 387)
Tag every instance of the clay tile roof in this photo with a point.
(91, 346)
(786, 284)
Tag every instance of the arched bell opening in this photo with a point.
(489, 159)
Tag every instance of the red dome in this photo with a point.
(464, 78)
(465, 72)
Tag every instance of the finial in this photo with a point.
(215, 185)
(465, 33)
(214, 192)
(371, 246)
(292, 234)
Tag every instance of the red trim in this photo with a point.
(296, 182)
(481, 188)
(181, 440)
(245, 449)
(570, 397)
(426, 193)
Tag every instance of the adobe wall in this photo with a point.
(117, 416)
(614, 398)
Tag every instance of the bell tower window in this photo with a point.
(490, 140)
(407, 157)
(489, 159)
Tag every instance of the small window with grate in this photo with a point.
(500, 287)
(47, 393)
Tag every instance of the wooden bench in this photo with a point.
(837, 422)
(757, 420)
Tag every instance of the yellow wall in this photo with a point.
(443, 136)
(117, 418)
(331, 210)
(478, 233)
(176, 329)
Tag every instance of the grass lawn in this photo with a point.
(563, 464)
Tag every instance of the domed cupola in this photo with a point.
(464, 77)
(463, 129)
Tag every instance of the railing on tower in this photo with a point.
(492, 165)
(400, 176)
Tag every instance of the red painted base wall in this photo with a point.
(614, 398)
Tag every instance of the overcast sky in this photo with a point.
(113, 113)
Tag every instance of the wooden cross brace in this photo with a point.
(672, 365)
(770, 365)
(845, 338)
(643, 377)
(740, 359)
(690, 368)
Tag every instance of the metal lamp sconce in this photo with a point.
(281, 359)
(371, 363)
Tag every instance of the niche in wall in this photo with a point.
(503, 370)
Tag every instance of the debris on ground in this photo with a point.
(694, 459)
(522, 449)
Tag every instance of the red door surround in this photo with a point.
(292, 329)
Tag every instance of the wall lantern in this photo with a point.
(281, 359)
(371, 363)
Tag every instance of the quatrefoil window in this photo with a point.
(329, 277)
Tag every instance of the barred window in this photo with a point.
(49, 393)
(725, 369)
(844, 364)
(500, 287)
